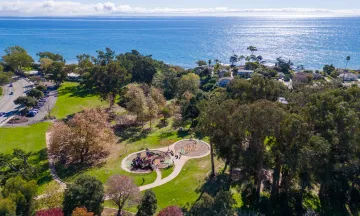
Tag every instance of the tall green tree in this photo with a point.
(148, 204)
(25, 101)
(50, 55)
(188, 83)
(22, 193)
(201, 63)
(16, 57)
(86, 191)
(56, 72)
(84, 63)
(104, 57)
(7, 207)
(252, 49)
(109, 80)
(35, 93)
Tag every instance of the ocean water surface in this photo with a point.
(311, 42)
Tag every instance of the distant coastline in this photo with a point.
(312, 42)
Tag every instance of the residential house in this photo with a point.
(222, 73)
(349, 77)
(245, 73)
(73, 77)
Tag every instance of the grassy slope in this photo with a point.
(28, 138)
(73, 99)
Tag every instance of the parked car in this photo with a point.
(10, 85)
(11, 93)
(30, 114)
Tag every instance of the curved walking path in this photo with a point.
(178, 163)
(52, 164)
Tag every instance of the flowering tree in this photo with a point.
(122, 191)
(171, 211)
(50, 212)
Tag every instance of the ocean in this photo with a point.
(311, 42)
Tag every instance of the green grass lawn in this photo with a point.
(27, 138)
(185, 187)
(167, 171)
(155, 139)
(72, 99)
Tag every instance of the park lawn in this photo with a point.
(155, 139)
(27, 138)
(185, 188)
(72, 99)
(167, 171)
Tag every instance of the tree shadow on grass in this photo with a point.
(214, 185)
(131, 132)
(75, 91)
(66, 171)
(40, 160)
(183, 133)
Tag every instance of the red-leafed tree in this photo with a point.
(50, 212)
(171, 211)
(81, 212)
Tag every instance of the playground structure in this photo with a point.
(149, 160)
(175, 155)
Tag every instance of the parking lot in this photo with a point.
(10, 93)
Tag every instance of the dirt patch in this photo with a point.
(191, 148)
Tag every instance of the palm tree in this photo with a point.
(233, 59)
(241, 58)
(347, 62)
(252, 49)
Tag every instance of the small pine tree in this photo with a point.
(148, 204)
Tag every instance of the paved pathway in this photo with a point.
(178, 163)
(52, 164)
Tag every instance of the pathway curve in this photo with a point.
(52, 164)
(178, 163)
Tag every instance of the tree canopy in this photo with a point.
(16, 57)
(87, 192)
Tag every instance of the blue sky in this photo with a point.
(241, 4)
(179, 7)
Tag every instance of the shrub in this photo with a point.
(50, 212)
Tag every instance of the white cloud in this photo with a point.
(73, 8)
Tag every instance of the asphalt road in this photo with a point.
(7, 105)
